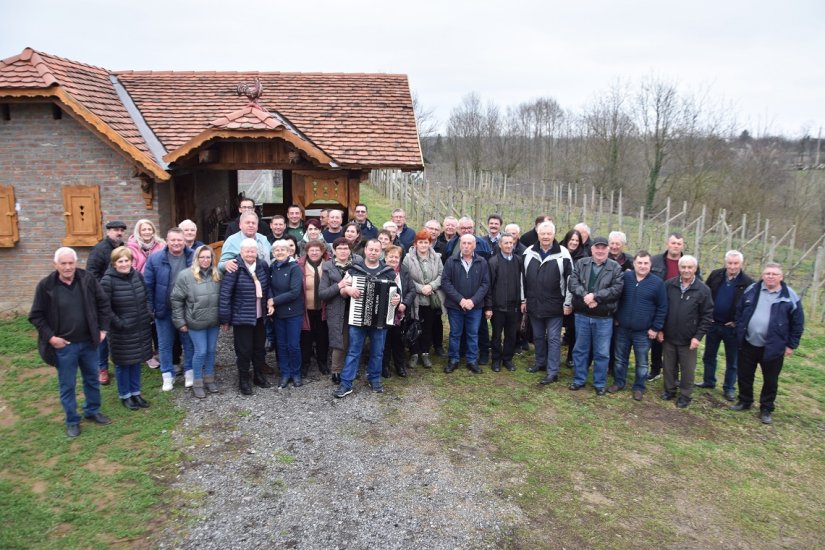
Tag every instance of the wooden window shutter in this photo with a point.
(81, 204)
(8, 217)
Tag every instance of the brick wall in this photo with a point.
(39, 154)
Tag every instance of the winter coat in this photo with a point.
(195, 303)
(157, 275)
(238, 300)
(100, 258)
(335, 304)
(139, 257)
(302, 262)
(658, 266)
(408, 293)
(435, 268)
(458, 284)
(608, 289)
(406, 235)
(547, 282)
(643, 305)
(286, 284)
(689, 315)
(506, 283)
(787, 321)
(625, 261)
(44, 314)
(718, 277)
(130, 337)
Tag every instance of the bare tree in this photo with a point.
(610, 129)
(465, 133)
(657, 110)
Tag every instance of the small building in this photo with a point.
(81, 145)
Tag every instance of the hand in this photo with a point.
(592, 305)
(102, 335)
(231, 266)
(184, 328)
(589, 299)
(567, 310)
(694, 343)
(402, 308)
(660, 337)
(788, 352)
(651, 334)
(466, 304)
(395, 300)
(426, 290)
(225, 327)
(58, 343)
(352, 292)
(488, 315)
(524, 308)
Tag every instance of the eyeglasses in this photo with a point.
(247, 208)
(433, 228)
(771, 274)
(360, 211)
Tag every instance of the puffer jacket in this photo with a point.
(157, 275)
(435, 268)
(547, 281)
(195, 303)
(130, 337)
(336, 305)
(100, 258)
(607, 292)
(787, 321)
(237, 304)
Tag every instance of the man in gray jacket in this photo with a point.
(596, 285)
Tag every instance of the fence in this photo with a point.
(568, 204)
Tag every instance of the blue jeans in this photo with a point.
(288, 340)
(128, 380)
(717, 334)
(203, 354)
(103, 355)
(166, 340)
(547, 338)
(625, 338)
(69, 358)
(464, 322)
(357, 336)
(592, 332)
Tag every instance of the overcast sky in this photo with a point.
(761, 57)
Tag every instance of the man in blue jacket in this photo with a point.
(465, 282)
(159, 275)
(769, 325)
(640, 318)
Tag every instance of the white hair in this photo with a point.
(734, 254)
(687, 258)
(581, 225)
(546, 224)
(249, 243)
(617, 235)
(389, 224)
(284, 243)
(513, 228)
(186, 223)
(64, 250)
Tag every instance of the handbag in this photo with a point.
(410, 330)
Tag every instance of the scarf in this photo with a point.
(316, 272)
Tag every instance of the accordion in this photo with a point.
(372, 308)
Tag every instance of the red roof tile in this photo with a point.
(250, 117)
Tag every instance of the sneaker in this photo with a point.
(413, 360)
(765, 417)
(654, 376)
(740, 406)
(342, 391)
(425, 360)
(72, 430)
(730, 396)
(103, 377)
(377, 387)
(153, 363)
(188, 378)
(168, 381)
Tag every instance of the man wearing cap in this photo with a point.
(596, 284)
(97, 264)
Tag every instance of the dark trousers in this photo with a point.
(749, 357)
(438, 330)
(656, 351)
(315, 341)
(570, 335)
(506, 322)
(427, 316)
(393, 346)
(250, 347)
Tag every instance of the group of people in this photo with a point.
(288, 286)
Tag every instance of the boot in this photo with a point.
(402, 372)
(336, 378)
(413, 360)
(305, 369)
(188, 378)
(244, 383)
(260, 380)
(210, 384)
(168, 381)
(425, 360)
(385, 370)
(197, 389)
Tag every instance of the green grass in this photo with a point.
(104, 488)
(613, 473)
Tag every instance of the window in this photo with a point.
(8, 217)
(81, 210)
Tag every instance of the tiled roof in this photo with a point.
(359, 120)
(89, 85)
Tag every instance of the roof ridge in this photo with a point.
(262, 73)
(67, 60)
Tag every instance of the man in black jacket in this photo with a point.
(246, 205)
(504, 302)
(689, 315)
(726, 287)
(71, 313)
(98, 262)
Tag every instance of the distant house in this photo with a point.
(80, 145)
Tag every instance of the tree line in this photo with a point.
(651, 140)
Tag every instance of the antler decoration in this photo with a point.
(251, 91)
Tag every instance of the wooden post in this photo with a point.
(819, 267)
(641, 225)
(667, 218)
(791, 247)
(621, 211)
(773, 248)
(765, 237)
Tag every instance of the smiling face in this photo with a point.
(616, 246)
(293, 214)
(506, 244)
(733, 265)
(205, 258)
(641, 266)
(384, 240)
(772, 277)
(147, 232)
(342, 253)
(190, 233)
(313, 232)
(280, 252)
(175, 243)
(249, 226)
(687, 270)
(351, 233)
(278, 226)
(392, 259)
(599, 252)
(249, 254)
(573, 242)
(334, 220)
(314, 253)
(494, 226)
(372, 252)
(361, 214)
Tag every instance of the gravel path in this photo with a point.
(297, 468)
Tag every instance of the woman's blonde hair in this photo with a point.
(196, 268)
(136, 232)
